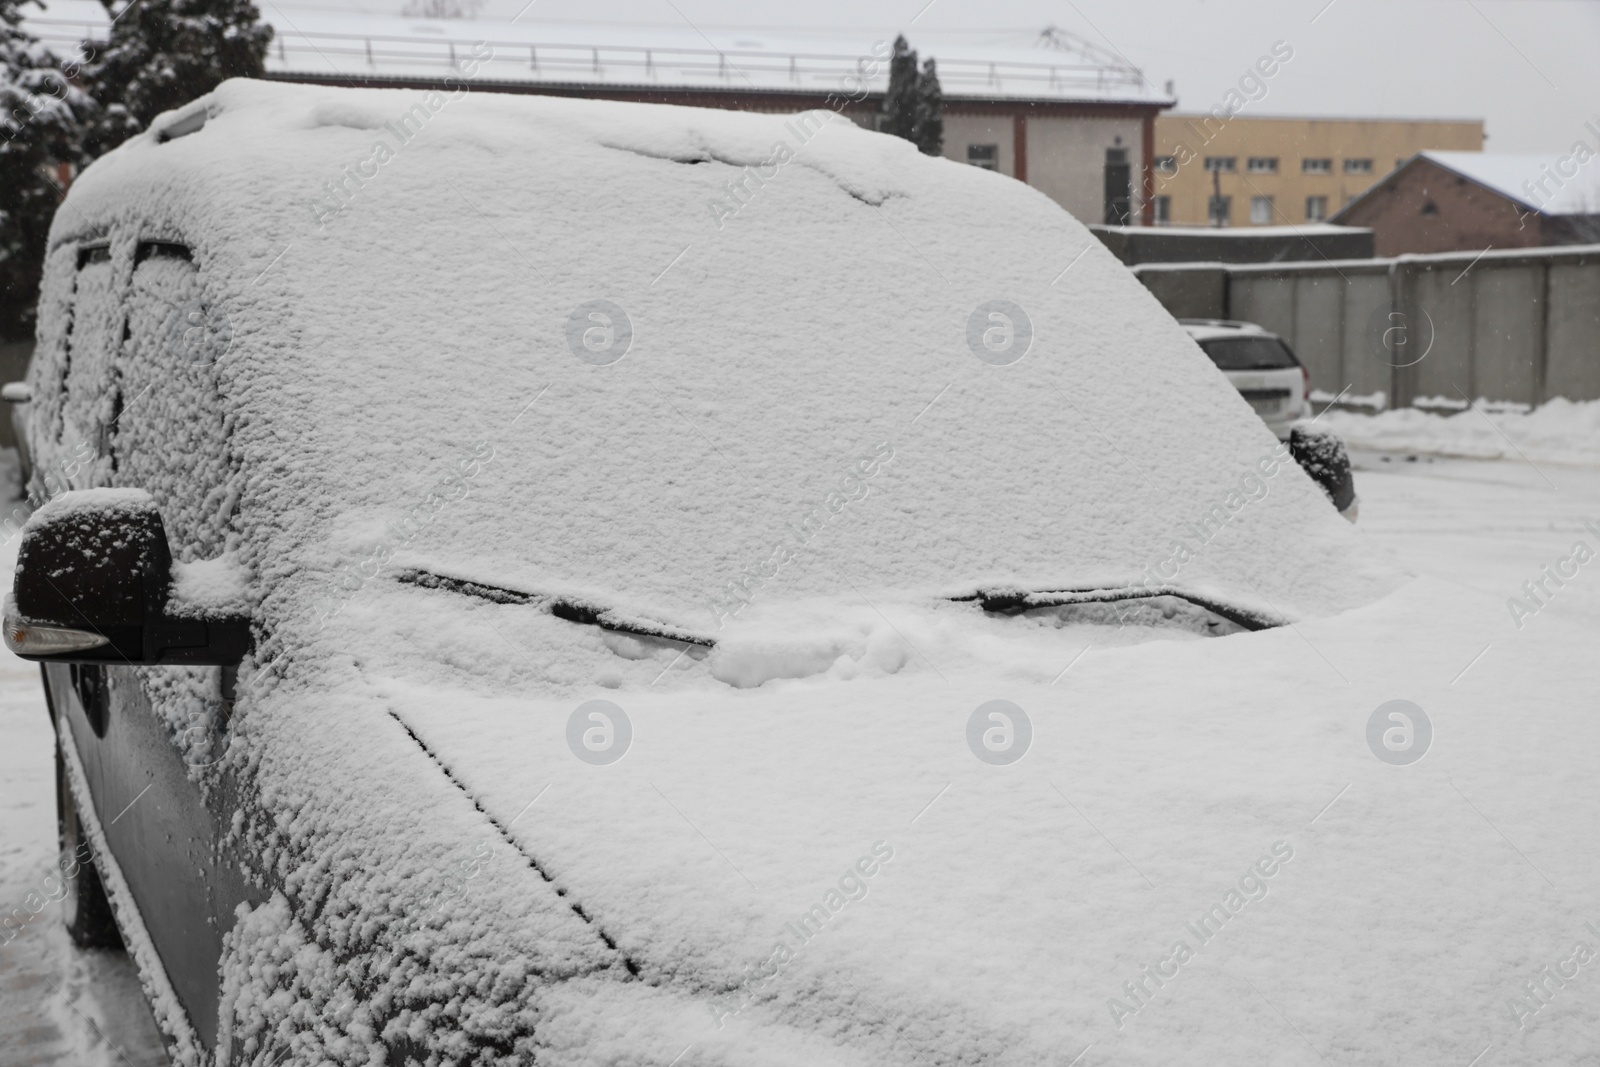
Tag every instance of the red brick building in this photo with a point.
(1466, 201)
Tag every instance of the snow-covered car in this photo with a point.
(549, 581)
(1260, 365)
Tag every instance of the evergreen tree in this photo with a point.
(913, 107)
(900, 102)
(39, 113)
(927, 129)
(165, 53)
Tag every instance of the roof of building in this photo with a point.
(1398, 120)
(1244, 244)
(1518, 178)
(552, 54)
(1304, 229)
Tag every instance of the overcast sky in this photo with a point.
(1529, 68)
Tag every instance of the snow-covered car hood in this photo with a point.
(1200, 842)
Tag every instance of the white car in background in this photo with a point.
(1260, 365)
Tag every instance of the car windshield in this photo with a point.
(1249, 353)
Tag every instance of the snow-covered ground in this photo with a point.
(1488, 525)
(1484, 524)
(1561, 432)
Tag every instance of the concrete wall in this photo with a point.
(961, 130)
(1067, 160)
(1572, 329)
(1520, 326)
(1198, 291)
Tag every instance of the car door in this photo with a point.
(149, 738)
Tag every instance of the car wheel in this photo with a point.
(84, 906)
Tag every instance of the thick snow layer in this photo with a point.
(80, 501)
(1560, 431)
(1004, 926)
(729, 373)
(210, 586)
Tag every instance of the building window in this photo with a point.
(1260, 210)
(1263, 164)
(1316, 166)
(1358, 166)
(1225, 164)
(1161, 210)
(1219, 210)
(1316, 208)
(1166, 164)
(986, 156)
(1429, 207)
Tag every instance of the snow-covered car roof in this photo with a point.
(1211, 329)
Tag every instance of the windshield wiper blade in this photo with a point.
(572, 609)
(1006, 600)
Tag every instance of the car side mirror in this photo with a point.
(1322, 455)
(93, 585)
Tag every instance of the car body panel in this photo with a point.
(185, 881)
(1274, 394)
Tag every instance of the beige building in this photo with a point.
(1276, 171)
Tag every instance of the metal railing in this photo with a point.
(359, 55)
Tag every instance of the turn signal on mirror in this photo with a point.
(25, 638)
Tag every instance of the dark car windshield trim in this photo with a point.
(1013, 600)
(572, 609)
(1000, 600)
